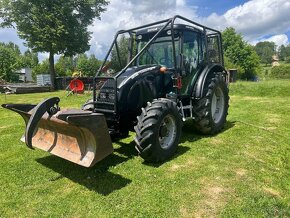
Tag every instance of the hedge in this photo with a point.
(281, 72)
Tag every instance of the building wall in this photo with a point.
(26, 75)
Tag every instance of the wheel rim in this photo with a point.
(217, 105)
(167, 131)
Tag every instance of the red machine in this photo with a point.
(76, 86)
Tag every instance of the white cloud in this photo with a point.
(131, 13)
(281, 39)
(255, 18)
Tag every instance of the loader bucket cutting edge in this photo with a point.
(81, 137)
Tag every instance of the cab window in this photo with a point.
(192, 55)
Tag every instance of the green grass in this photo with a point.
(243, 171)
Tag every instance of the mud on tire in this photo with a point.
(212, 109)
(158, 130)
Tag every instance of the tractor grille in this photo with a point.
(106, 97)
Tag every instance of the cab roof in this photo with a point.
(177, 27)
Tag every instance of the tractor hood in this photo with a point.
(135, 87)
(134, 72)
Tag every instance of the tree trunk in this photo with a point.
(51, 70)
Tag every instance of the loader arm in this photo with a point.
(49, 106)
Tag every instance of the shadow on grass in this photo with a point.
(228, 125)
(128, 150)
(190, 134)
(97, 178)
(180, 151)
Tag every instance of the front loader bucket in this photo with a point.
(79, 136)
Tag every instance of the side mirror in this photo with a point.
(130, 49)
(130, 43)
(180, 61)
(180, 64)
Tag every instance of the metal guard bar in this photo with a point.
(167, 22)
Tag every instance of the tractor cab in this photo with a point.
(189, 52)
(185, 50)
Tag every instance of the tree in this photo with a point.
(240, 53)
(64, 66)
(94, 65)
(41, 68)
(284, 52)
(29, 59)
(9, 61)
(82, 63)
(115, 64)
(53, 26)
(265, 50)
(87, 66)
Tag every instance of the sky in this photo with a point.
(256, 20)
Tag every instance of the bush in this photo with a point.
(281, 72)
(287, 59)
(14, 78)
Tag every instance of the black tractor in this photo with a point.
(169, 72)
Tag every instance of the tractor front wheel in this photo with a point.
(158, 130)
(89, 105)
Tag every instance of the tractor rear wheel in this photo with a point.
(158, 130)
(212, 109)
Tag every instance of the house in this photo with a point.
(275, 61)
(25, 75)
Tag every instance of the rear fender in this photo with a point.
(208, 71)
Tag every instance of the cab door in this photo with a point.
(192, 56)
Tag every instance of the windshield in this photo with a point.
(160, 52)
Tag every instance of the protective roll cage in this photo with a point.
(208, 32)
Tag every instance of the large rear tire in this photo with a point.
(212, 108)
(158, 130)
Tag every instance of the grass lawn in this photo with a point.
(243, 171)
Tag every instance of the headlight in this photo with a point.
(103, 95)
(112, 96)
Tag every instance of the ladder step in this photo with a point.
(187, 107)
